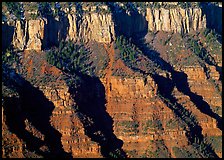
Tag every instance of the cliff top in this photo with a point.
(33, 10)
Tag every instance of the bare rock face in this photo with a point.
(19, 37)
(29, 34)
(132, 119)
(36, 34)
(72, 31)
(99, 27)
(95, 26)
(176, 20)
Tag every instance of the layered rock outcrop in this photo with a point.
(134, 118)
(41, 33)
(84, 119)
(101, 27)
(175, 20)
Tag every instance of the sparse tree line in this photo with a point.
(128, 51)
(69, 57)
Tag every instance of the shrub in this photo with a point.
(34, 16)
(14, 8)
(184, 5)
(9, 57)
(200, 51)
(45, 9)
(69, 57)
(127, 49)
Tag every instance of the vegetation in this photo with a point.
(182, 153)
(213, 41)
(127, 50)
(9, 57)
(79, 9)
(159, 151)
(69, 57)
(172, 124)
(130, 126)
(156, 5)
(216, 142)
(205, 148)
(197, 48)
(33, 16)
(152, 124)
(132, 153)
(14, 8)
(140, 4)
(45, 9)
(117, 153)
(184, 5)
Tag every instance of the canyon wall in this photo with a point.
(100, 27)
(214, 17)
(113, 110)
(141, 118)
(42, 33)
(175, 20)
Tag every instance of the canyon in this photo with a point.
(173, 111)
(39, 33)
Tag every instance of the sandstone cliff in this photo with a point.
(102, 27)
(163, 103)
(41, 33)
(175, 20)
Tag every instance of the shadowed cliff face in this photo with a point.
(174, 92)
(37, 109)
(7, 36)
(98, 125)
(179, 79)
(55, 31)
(130, 25)
(214, 16)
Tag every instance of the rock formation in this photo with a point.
(165, 103)
(175, 20)
(101, 27)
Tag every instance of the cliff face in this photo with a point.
(175, 20)
(138, 122)
(98, 27)
(41, 33)
(37, 34)
(29, 34)
(213, 16)
(159, 105)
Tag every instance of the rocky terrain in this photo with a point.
(103, 79)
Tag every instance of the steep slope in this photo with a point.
(142, 82)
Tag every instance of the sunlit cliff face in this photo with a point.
(153, 88)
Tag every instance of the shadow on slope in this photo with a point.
(179, 79)
(165, 88)
(37, 109)
(90, 99)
